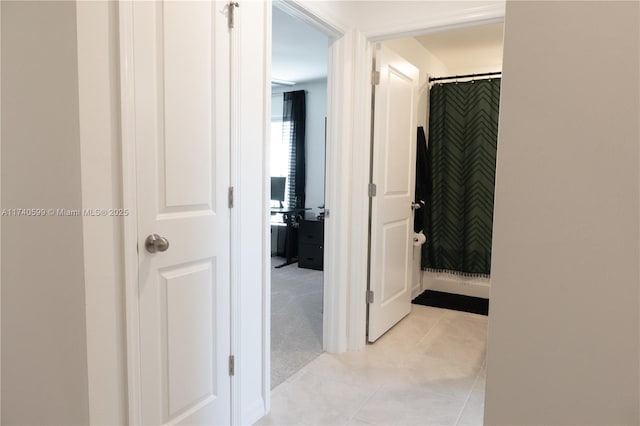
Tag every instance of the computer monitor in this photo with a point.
(277, 188)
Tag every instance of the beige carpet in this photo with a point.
(296, 319)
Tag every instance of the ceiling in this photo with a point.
(455, 47)
(300, 52)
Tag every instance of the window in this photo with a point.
(288, 150)
(280, 148)
(280, 140)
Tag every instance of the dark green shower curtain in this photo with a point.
(463, 133)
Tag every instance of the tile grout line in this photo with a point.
(365, 402)
(351, 412)
(450, 397)
(430, 330)
(466, 401)
(305, 369)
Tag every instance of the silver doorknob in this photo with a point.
(415, 206)
(155, 243)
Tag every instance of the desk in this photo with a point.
(287, 214)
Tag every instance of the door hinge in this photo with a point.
(375, 78)
(369, 296)
(232, 365)
(230, 14)
(231, 197)
(327, 213)
(372, 190)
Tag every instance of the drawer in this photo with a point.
(310, 256)
(311, 232)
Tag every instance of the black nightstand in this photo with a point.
(311, 244)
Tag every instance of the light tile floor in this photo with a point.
(428, 370)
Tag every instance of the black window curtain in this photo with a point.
(461, 156)
(294, 115)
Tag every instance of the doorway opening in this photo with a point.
(297, 210)
(441, 336)
(455, 105)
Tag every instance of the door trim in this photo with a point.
(335, 298)
(295, 9)
(0, 220)
(129, 201)
(234, 220)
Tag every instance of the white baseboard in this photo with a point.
(416, 290)
(253, 412)
(448, 283)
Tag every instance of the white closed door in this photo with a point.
(181, 80)
(393, 174)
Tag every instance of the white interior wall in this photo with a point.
(315, 150)
(44, 342)
(316, 97)
(467, 50)
(473, 62)
(564, 326)
(276, 104)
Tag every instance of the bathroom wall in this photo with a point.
(467, 50)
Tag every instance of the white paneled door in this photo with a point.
(181, 79)
(394, 151)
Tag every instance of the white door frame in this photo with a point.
(344, 318)
(331, 329)
(0, 228)
(130, 227)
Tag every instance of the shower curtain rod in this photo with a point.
(484, 74)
